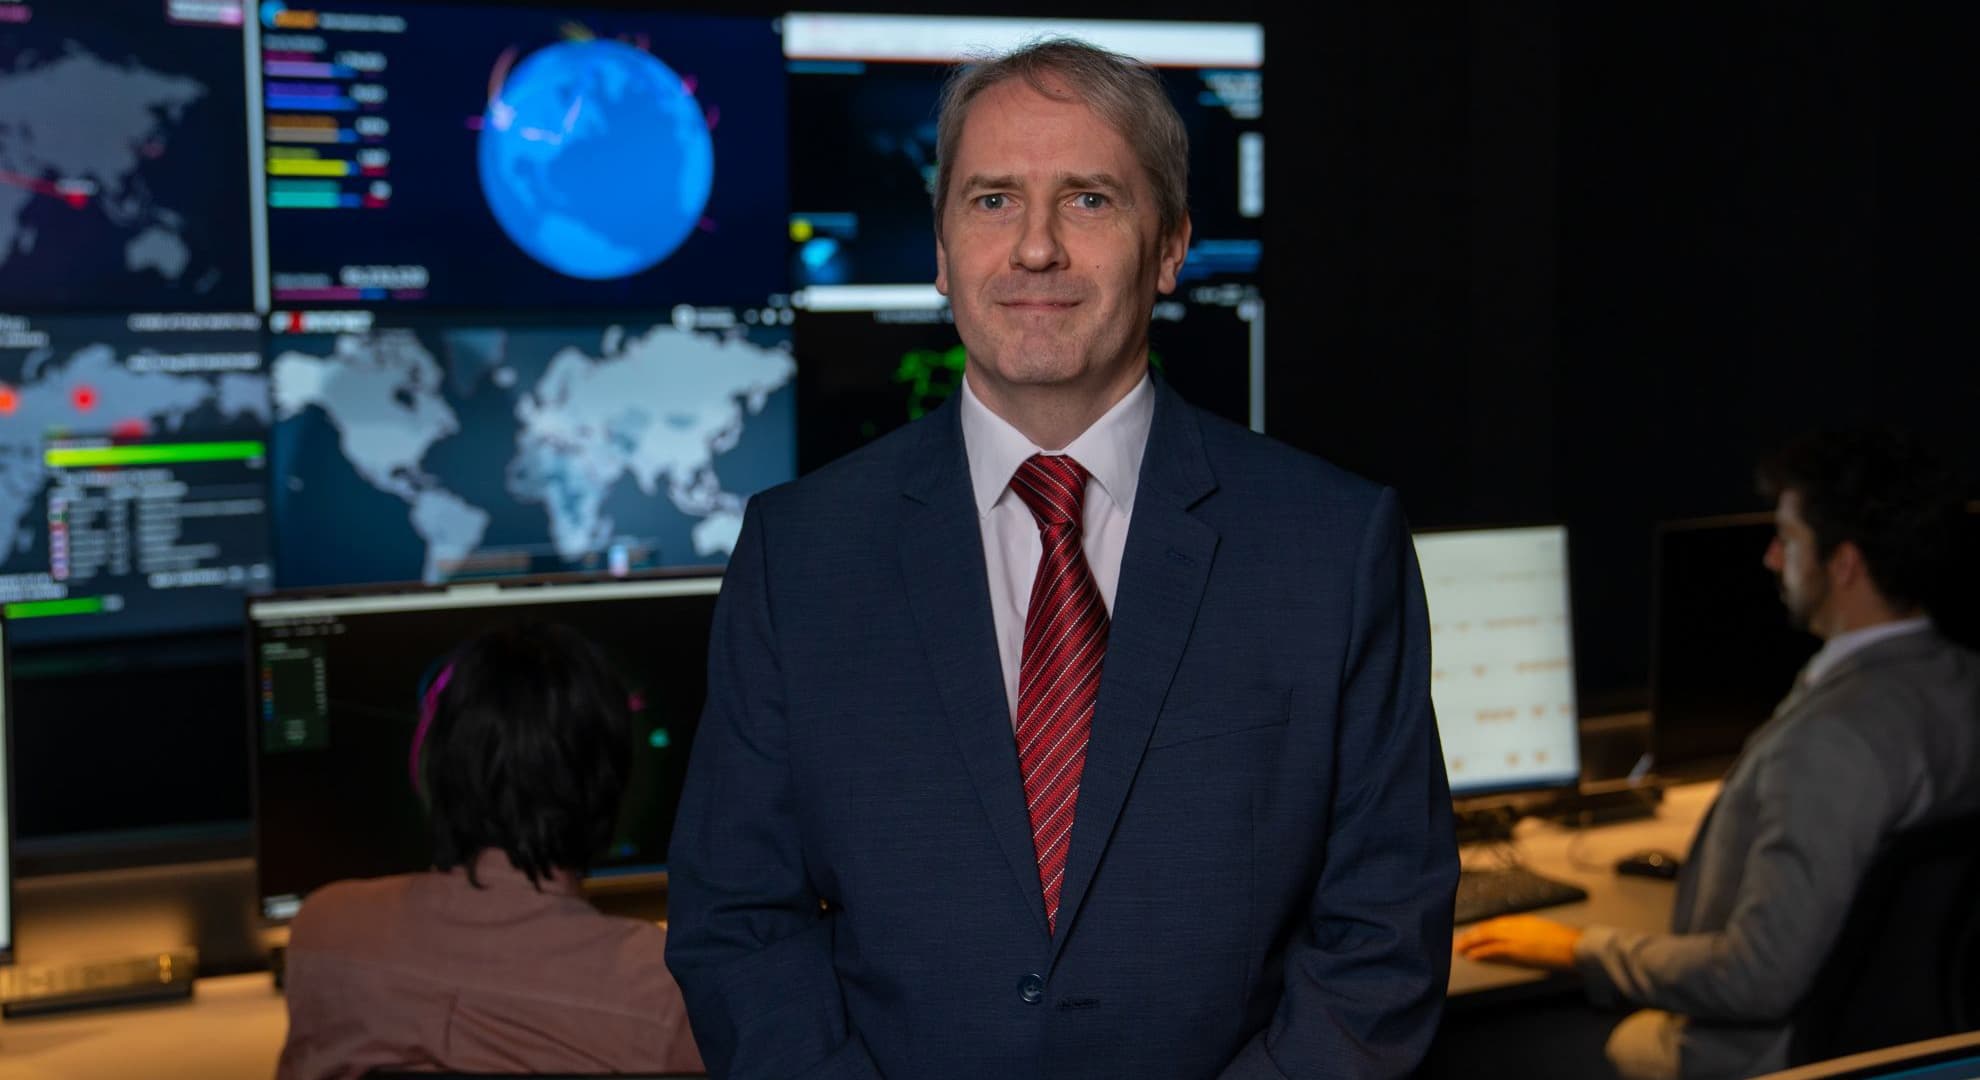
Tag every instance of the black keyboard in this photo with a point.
(1485, 894)
(27, 991)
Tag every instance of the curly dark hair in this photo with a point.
(528, 752)
(1884, 490)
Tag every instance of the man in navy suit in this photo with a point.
(1069, 731)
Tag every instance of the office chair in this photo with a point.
(1907, 963)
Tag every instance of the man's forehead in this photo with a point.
(1008, 145)
(1017, 99)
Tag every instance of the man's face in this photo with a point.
(1050, 252)
(1797, 567)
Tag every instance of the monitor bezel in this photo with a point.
(7, 925)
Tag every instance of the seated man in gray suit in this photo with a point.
(1880, 733)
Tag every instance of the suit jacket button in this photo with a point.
(1032, 989)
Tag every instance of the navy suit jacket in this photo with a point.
(1262, 862)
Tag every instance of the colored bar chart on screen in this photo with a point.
(304, 128)
(324, 124)
(85, 457)
(39, 609)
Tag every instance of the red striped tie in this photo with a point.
(1065, 640)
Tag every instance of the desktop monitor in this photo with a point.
(1722, 652)
(862, 374)
(1502, 657)
(511, 445)
(334, 682)
(497, 156)
(133, 473)
(123, 156)
(1951, 1057)
(1956, 610)
(865, 91)
(877, 346)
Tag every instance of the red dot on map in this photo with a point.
(9, 401)
(84, 398)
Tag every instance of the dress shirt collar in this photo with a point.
(1110, 450)
(1842, 646)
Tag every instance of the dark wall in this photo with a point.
(1743, 259)
(1557, 261)
(1583, 264)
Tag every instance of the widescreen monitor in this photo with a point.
(123, 156)
(491, 157)
(876, 344)
(443, 448)
(334, 704)
(133, 473)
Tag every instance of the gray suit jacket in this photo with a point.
(1887, 740)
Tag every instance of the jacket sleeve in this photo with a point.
(747, 939)
(1824, 803)
(1365, 976)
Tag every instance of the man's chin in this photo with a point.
(1037, 361)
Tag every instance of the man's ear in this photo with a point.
(1846, 565)
(941, 267)
(1174, 249)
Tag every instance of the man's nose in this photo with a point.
(1038, 246)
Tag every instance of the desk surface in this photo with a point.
(234, 1025)
(1586, 857)
(232, 1028)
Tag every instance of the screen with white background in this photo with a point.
(1501, 656)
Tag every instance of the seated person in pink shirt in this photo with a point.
(492, 961)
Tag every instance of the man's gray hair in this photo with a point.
(1126, 94)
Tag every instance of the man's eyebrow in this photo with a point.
(1095, 181)
(1102, 181)
(978, 181)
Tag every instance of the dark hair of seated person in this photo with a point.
(528, 752)
(1889, 491)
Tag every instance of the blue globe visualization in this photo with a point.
(596, 159)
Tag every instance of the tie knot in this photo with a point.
(1053, 486)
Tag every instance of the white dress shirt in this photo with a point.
(1837, 648)
(1110, 451)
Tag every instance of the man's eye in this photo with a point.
(1090, 200)
(990, 202)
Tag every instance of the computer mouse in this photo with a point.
(1650, 863)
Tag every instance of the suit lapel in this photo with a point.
(949, 594)
(1163, 571)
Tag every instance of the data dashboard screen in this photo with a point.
(472, 447)
(123, 156)
(1502, 657)
(423, 155)
(133, 473)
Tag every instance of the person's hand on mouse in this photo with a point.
(1525, 940)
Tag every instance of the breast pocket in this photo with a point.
(1195, 725)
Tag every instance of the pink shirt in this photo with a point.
(426, 971)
